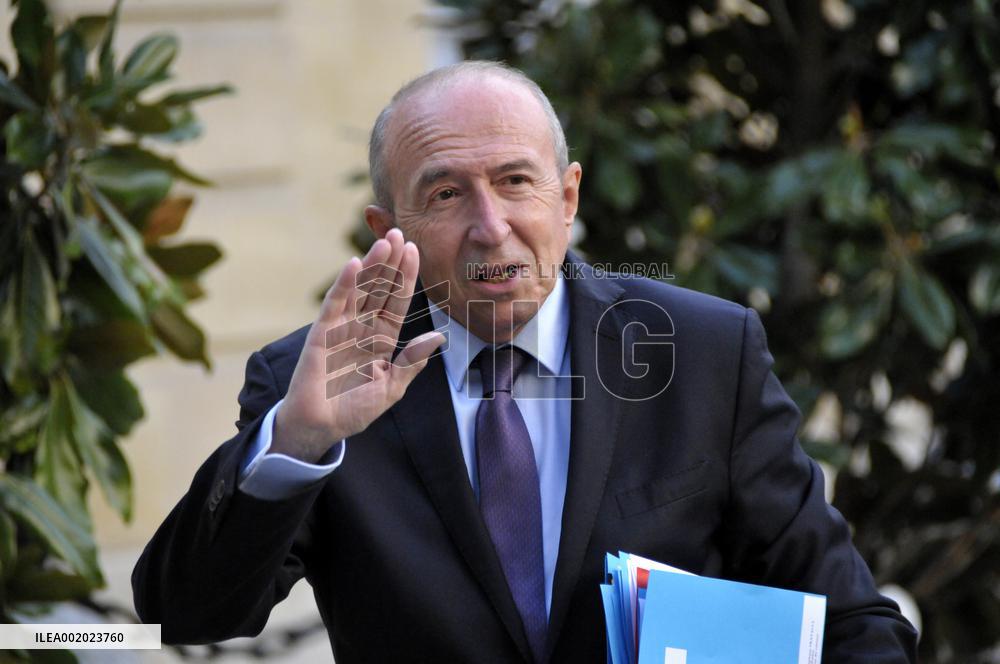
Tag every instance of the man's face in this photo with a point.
(475, 183)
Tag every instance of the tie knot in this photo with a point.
(500, 367)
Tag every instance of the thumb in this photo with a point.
(414, 357)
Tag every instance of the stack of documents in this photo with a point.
(658, 614)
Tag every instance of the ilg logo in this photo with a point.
(369, 337)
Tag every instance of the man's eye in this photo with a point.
(445, 194)
(517, 179)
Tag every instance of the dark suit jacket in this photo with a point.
(706, 476)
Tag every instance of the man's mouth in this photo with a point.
(496, 273)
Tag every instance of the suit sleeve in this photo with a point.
(222, 559)
(784, 533)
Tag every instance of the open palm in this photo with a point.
(346, 377)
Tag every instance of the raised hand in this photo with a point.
(325, 404)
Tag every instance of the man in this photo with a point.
(438, 526)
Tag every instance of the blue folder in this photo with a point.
(700, 620)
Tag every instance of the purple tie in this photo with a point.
(509, 497)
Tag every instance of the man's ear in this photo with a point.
(379, 220)
(571, 191)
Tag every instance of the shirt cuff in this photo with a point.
(279, 476)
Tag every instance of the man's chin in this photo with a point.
(503, 327)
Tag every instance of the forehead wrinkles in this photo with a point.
(416, 136)
(430, 135)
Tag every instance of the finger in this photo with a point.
(333, 325)
(377, 254)
(382, 275)
(398, 304)
(340, 294)
(414, 356)
(412, 361)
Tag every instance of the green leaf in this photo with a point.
(676, 181)
(846, 327)
(145, 119)
(185, 260)
(911, 184)
(746, 268)
(57, 465)
(630, 47)
(111, 396)
(172, 124)
(985, 27)
(185, 97)
(38, 306)
(617, 181)
(31, 505)
(74, 439)
(845, 191)
(10, 335)
(785, 187)
(21, 417)
(31, 33)
(126, 231)
(129, 178)
(739, 215)
(73, 57)
(91, 29)
(148, 61)
(984, 289)
(102, 257)
(110, 344)
(11, 94)
(794, 181)
(967, 145)
(106, 58)
(120, 159)
(100, 454)
(184, 126)
(968, 239)
(179, 333)
(30, 139)
(927, 305)
(39, 298)
(134, 243)
(8, 543)
(36, 584)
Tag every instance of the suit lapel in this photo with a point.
(426, 423)
(595, 343)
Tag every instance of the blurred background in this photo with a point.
(831, 163)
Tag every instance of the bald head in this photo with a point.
(437, 81)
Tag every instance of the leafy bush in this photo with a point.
(834, 164)
(88, 283)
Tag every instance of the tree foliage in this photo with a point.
(89, 281)
(834, 164)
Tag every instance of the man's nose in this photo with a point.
(489, 220)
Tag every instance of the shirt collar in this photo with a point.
(544, 337)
